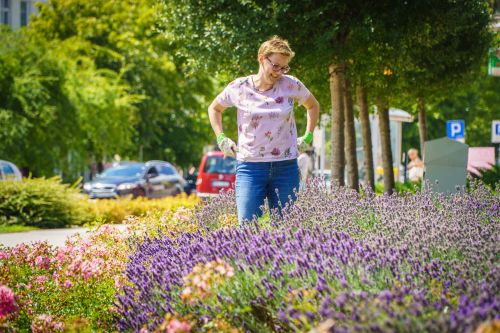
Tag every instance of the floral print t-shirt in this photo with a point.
(266, 126)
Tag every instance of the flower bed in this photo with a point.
(45, 288)
(336, 262)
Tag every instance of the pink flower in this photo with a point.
(20, 250)
(42, 262)
(279, 99)
(91, 269)
(61, 255)
(68, 284)
(41, 279)
(4, 255)
(45, 323)
(7, 301)
(177, 326)
(118, 282)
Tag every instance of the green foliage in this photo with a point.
(60, 108)
(400, 187)
(85, 82)
(126, 37)
(491, 177)
(15, 228)
(476, 104)
(43, 203)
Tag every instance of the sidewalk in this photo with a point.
(55, 237)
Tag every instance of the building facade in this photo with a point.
(16, 13)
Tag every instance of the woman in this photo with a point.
(268, 146)
(415, 167)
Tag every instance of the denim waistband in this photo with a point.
(266, 164)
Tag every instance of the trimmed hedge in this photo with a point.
(43, 203)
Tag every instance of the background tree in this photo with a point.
(445, 47)
(52, 104)
(126, 37)
(476, 103)
(231, 38)
(415, 49)
(366, 134)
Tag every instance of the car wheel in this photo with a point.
(139, 192)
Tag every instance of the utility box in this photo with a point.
(445, 163)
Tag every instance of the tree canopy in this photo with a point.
(105, 76)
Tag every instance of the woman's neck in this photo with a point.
(260, 83)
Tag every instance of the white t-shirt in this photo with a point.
(266, 126)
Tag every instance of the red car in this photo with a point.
(217, 173)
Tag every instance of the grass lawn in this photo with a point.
(15, 228)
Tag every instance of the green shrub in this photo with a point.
(117, 210)
(491, 177)
(40, 202)
(400, 187)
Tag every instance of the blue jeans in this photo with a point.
(256, 181)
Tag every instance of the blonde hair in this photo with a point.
(413, 150)
(276, 44)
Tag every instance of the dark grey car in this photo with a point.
(153, 179)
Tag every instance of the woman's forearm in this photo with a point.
(215, 117)
(312, 113)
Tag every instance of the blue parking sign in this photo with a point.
(455, 129)
(495, 131)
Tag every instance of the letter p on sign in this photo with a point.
(455, 129)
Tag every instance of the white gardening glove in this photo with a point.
(304, 142)
(226, 145)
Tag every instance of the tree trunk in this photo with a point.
(337, 94)
(385, 143)
(350, 139)
(422, 129)
(366, 135)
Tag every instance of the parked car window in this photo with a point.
(218, 164)
(153, 171)
(123, 171)
(167, 170)
(8, 172)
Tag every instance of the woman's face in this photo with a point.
(274, 66)
(412, 154)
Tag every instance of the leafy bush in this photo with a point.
(74, 287)
(40, 202)
(68, 283)
(117, 210)
(400, 187)
(491, 177)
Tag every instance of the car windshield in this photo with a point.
(219, 164)
(123, 171)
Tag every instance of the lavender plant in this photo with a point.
(341, 260)
(459, 226)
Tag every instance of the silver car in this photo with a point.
(153, 179)
(9, 171)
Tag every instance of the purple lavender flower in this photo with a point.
(424, 262)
